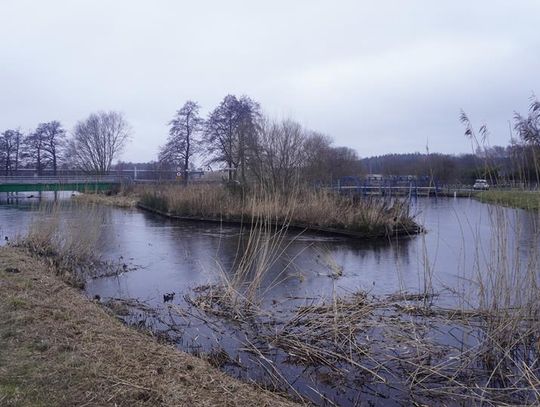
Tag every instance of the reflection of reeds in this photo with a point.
(327, 260)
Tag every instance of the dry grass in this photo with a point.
(71, 244)
(308, 208)
(60, 349)
(121, 200)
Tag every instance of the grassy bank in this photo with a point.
(58, 348)
(307, 208)
(515, 199)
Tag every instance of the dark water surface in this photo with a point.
(167, 256)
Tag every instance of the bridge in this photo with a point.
(377, 185)
(380, 190)
(90, 183)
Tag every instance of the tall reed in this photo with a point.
(262, 244)
(69, 239)
(508, 296)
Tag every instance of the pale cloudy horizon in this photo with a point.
(389, 77)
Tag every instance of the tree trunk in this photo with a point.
(17, 146)
(186, 155)
(242, 158)
(54, 164)
(186, 170)
(38, 163)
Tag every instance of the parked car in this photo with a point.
(481, 184)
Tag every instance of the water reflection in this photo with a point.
(175, 256)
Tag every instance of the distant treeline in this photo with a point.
(236, 136)
(513, 163)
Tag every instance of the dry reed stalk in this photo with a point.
(71, 243)
(301, 206)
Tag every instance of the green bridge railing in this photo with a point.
(60, 183)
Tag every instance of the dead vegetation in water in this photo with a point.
(400, 345)
(391, 344)
(397, 345)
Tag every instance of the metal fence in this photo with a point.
(63, 179)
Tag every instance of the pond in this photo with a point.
(170, 264)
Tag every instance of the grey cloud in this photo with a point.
(382, 76)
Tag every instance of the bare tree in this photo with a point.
(220, 133)
(277, 155)
(249, 118)
(284, 153)
(51, 137)
(228, 130)
(97, 141)
(343, 161)
(182, 142)
(325, 162)
(33, 150)
(10, 144)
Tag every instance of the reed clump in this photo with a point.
(69, 240)
(260, 248)
(302, 207)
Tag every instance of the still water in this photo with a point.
(172, 256)
(165, 256)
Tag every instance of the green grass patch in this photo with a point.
(515, 199)
(9, 390)
(17, 303)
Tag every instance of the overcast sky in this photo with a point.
(377, 76)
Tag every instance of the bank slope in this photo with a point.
(57, 348)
